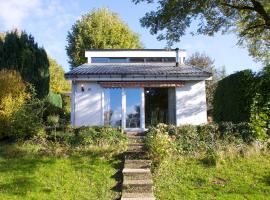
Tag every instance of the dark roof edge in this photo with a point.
(133, 50)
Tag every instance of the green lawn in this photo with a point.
(242, 178)
(26, 175)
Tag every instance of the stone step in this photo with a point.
(137, 196)
(135, 133)
(136, 174)
(137, 164)
(136, 139)
(136, 147)
(138, 186)
(136, 155)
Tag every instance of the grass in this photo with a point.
(239, 178)
(25, 174)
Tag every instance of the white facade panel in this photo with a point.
(132, 54)
(88, 104)
(191, 104)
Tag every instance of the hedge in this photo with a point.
(233, 97)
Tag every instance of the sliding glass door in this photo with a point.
(133, 107)
(112, 107)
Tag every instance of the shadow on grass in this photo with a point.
(118, 163)
(266, 179)
(19, 186)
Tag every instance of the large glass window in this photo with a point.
(133, 102)
(131, 60)
(112, 107)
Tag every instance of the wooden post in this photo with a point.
(123, 108)
(142, 110)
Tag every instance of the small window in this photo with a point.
(118, 60)
(169, 59)
(99, 60)
(154, 59)
(136, 60)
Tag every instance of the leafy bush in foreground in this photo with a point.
(209, 142)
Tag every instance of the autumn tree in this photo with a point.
(20, 52)
(99, 29)
(250, 19)
(58, 84)
(13, 95)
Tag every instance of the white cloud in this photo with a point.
(13, 12)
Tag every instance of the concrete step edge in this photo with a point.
(138, 182)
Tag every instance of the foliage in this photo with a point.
(58, 84)
(233, 97)
(27, 121)
(99, 29)
(53, 120)
(249, 19)
(158, 143)
(20, 52)
(260, 109)
(13, 95)
(201, 60)
(207, 142)
(66, 106)
(53, 105)
(100, 136)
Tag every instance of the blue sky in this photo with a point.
(50, 20)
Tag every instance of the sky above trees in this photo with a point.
(50, 20)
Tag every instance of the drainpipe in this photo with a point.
(177, 57)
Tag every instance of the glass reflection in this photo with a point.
(133, 102)
(112, 107)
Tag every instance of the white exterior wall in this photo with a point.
(191, 104)
(88, 106)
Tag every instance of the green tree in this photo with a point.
(98, 29)
(233, 97)
(250, 19)
(58, 84)
(20, 52)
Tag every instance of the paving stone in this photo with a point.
(137, 177)
(137, 164)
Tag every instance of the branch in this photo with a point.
(258, 7)
(245, 32)
(238, 7)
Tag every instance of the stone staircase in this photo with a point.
(137, 178)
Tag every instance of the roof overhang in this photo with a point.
(135, 78)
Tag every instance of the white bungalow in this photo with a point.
(136, 88)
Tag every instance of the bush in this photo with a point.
(159, 144)
(100, 136)
(53, 106)
(13, 95)
(209, 142)
(27, 121)
(233, 97)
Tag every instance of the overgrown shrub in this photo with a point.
(209, 142)
(53, 105)
(233, 97)
(158, 143)
(27, 121)
(13, 96)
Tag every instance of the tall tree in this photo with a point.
(250, 19)
(98, 29)
(58, 84)
(20, 52)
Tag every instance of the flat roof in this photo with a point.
(145, 70)
(133, 50)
